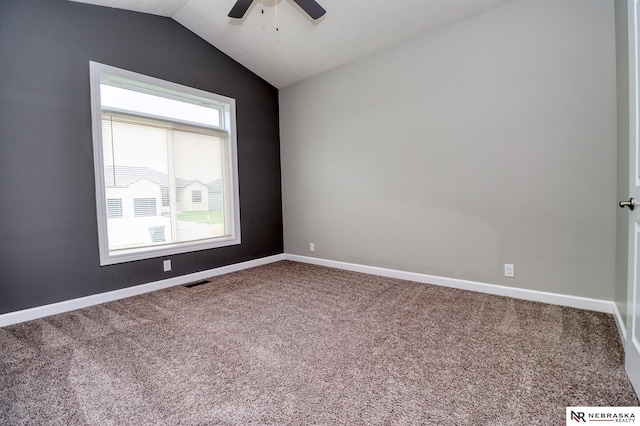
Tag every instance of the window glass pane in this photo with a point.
(129, 100)
(197, 159)
(136, 171)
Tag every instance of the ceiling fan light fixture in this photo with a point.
(311, 8)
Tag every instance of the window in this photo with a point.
(114, 207)
(165, 166)
(144, 207)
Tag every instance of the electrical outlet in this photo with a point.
(312, 247)
(509, 270)
(166, 265)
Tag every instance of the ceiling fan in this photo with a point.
(313, 9)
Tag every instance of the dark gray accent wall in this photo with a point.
(48, 231)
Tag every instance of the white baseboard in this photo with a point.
(96, 299)
(622, 331)
(598, 305)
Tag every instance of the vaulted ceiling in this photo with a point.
(301, 47)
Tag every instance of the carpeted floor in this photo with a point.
(290, 343)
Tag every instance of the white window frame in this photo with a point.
(226, 106)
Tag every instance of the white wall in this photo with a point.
(622, 217)
(487, 142)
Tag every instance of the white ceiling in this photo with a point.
(301, 48)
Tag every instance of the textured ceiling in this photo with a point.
(302, 47)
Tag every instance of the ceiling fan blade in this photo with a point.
(240, 8)
(312, 8)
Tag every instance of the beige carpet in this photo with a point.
(290, 343)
